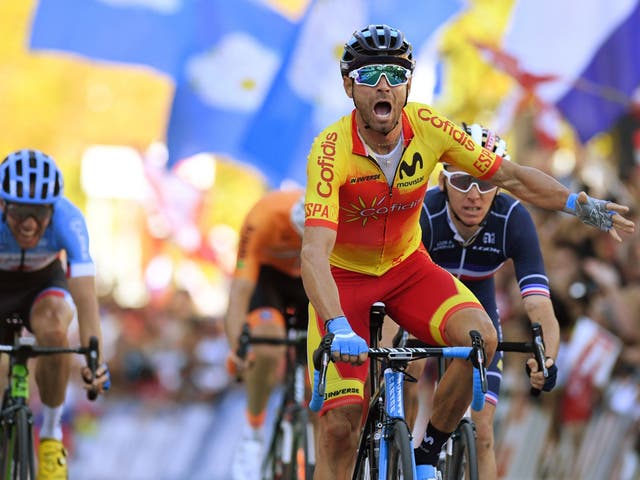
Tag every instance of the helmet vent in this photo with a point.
(376, 44)
(30, 176)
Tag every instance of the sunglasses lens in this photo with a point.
(461, 182)
(21, 211)
(485, 187)
(370, 75)
(464, 183)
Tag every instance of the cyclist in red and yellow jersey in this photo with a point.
(366, 179)
(266, 284)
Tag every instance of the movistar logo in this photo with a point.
(410, 169)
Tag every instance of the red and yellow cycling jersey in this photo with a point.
(378, 225)
(268, 238)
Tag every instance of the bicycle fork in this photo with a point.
(394, 409)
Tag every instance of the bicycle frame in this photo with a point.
(447, 464)
(16, 419)
(394, 408)
(386, 406)
(292, 411)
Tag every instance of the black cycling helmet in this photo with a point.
(376, 44)
(30, 176)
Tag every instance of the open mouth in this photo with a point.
(382, 109)
(26, 237)
(470, 210)
(26, 233)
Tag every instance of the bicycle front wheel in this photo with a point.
(463, 463)
(300, 464)
(400, 454)
(291, 453)
(17, 461)
(273, 467)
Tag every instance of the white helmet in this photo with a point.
(487, 138)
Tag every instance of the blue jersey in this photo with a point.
(509, 232)
(66, 232)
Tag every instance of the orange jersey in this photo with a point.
(377, 225)
(268, 238)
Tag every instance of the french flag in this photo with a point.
(576, 58)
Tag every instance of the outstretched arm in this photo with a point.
(537, 188)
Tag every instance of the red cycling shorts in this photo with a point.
(419, 295)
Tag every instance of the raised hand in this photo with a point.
(606, 216)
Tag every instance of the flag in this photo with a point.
(152, 32)
(222, 56)
(227, 57)
(580, 58)
(236, 53)
(307, 93)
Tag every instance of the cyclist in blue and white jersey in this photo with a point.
(471, 229)
(47, 278)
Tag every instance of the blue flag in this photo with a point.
(307, 94)
(227, 57)
(222, 56)
(144, 33)
(235, 54)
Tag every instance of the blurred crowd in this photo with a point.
(595, 284)
(166, 352)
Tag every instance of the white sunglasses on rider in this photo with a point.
(463, 182)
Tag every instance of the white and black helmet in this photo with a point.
(487, 138)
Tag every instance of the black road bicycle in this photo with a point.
(290, 455)
(459, 458)
(17, 450)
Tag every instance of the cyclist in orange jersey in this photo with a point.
(366, 179)
(266, 284)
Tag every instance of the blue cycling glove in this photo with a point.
(593, 212)
(345, 341)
